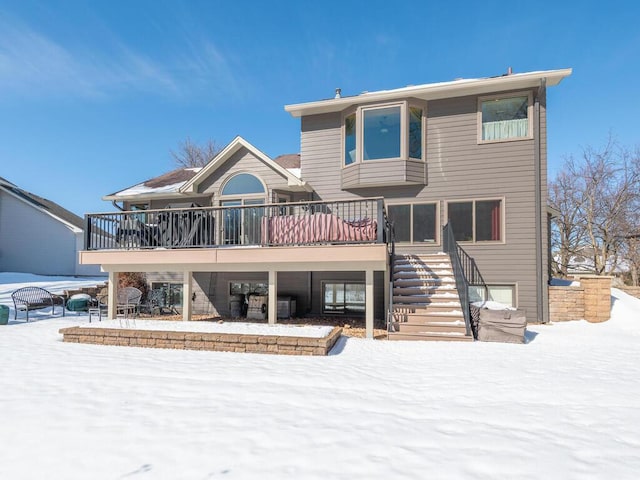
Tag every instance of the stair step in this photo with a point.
(431, 309)
(427, 257)
(438, 337)
(428, 328)
(429, 316)
(423, 299)
(415, 289)
(424, 276)
(420, 283)
(439, 294)
(439, 269)
(412, 282)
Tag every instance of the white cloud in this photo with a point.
(34, 65)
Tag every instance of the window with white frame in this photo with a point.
(505, 117)
(504, 294)
(415, 222)
(242, 225)
(384, 132)
(476, 220)
(343, 297)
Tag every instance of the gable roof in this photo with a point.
(167, 184)
(290, 161)
(433, 91)
(236, 144)
(44, 205)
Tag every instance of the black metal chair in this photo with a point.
(34, 298)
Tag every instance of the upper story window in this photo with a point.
(243, 184)
(381, 133)
(504, 118)
(384, 132)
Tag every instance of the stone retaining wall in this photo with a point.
(566, 303)
(223, 342)
(633, 291)
(590, 301)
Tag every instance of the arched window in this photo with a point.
(243, 184)
(245, 194)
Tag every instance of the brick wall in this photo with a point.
(225, 342)
(590, 301)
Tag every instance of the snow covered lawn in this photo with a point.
(564, 406)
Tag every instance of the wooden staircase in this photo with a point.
(426, 304)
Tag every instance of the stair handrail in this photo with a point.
(465, 272)
(391, 256)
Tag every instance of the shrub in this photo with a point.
(134, 279)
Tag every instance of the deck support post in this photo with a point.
(368, 294)
(273, 297)
(187, 291)
(112, 290)
(387, 290)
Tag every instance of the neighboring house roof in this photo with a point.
(290, 161)
(166, 184)
(236, 144)
(44, 205)
(433, 91)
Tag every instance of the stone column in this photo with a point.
(597, 298)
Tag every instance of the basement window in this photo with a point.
(505, 294)
(343, 297)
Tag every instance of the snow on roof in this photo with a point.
(169, 182)
(295, 171)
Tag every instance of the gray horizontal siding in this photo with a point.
(458, 168)
(243, 162)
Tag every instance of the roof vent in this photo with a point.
(338, 93)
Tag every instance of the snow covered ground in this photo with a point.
(566, 405)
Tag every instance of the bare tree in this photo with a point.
(190, 154)
(568, 234)
(598, 200)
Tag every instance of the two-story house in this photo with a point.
(411, 201)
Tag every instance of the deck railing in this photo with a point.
(301, 223)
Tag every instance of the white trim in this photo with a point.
(501, 96)
(224, 183)
(433, 91)
(405, 115)
(154, 196)
(236, 144)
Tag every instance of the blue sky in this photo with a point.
(94, 95)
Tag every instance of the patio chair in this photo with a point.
(33, 298)
(99, 305)
(128, 304)
(155, 301)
